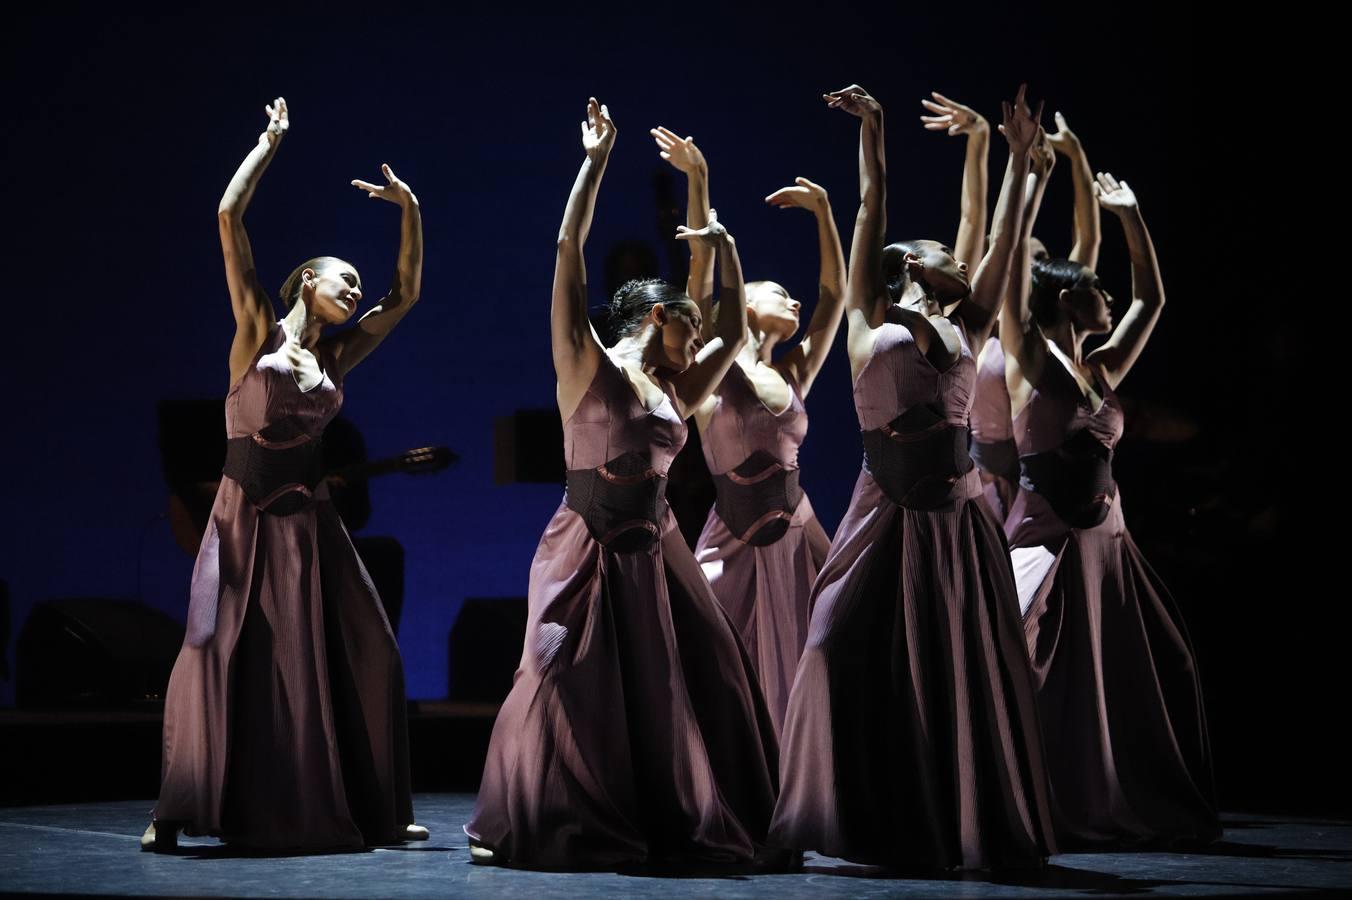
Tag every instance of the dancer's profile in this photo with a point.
(762, 546)
(284, 721)
(634, 732)
(912, 737)
(1121, 702)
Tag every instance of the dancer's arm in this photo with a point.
(1085, 249)
(805, 360)
(577, 350)
(979, 310)
(954, 119)
(687, 158)
(697, 383)
(351, 346)
(253, 310)
(866, 299)
(1014, 306)
(1118, 355)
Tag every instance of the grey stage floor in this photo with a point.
(92, 849)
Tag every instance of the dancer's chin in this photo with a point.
(958, 295)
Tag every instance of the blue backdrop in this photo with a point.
(123, 129)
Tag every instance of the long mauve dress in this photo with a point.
(285, 718)
(635, 731)
(764, 586)
(1117, 680)
(912, 737)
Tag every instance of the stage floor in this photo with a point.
(92, 849)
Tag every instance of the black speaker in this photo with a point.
(485, 646)
(95, 653)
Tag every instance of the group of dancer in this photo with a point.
(980, 668)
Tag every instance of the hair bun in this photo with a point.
(630, 304)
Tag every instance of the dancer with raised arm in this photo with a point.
(762, 545)
(912, 737)
(1121, 702)
(284, 722)
(993, 447)
(635, 731)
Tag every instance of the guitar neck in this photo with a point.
(421, 461)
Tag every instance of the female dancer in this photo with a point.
(912, 737)
(993, 448)
(635, 731)
(762, 545)
(284, 722)
(1121, 704)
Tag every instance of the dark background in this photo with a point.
(124, 127)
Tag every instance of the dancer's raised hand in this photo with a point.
(598, 132)
(803, 194)
(1020, 126)
(278, 121)
(1114, 195)
(681, 152)
(713, 234)
(951, 117)
(855, 101)
(396, 191)
(1064, 140)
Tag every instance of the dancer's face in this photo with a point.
(679, 324)
(770, 309)
(1087, 304)
(331, 293)
(946, 277)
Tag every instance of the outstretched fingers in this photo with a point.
(372, 190)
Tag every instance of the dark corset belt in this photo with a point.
(279, 477)
(997, 458)
(621, 502)
(1075, 478)
(918, 458)
(756, 500)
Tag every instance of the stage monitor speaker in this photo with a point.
(95, 653)
(485, 647)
